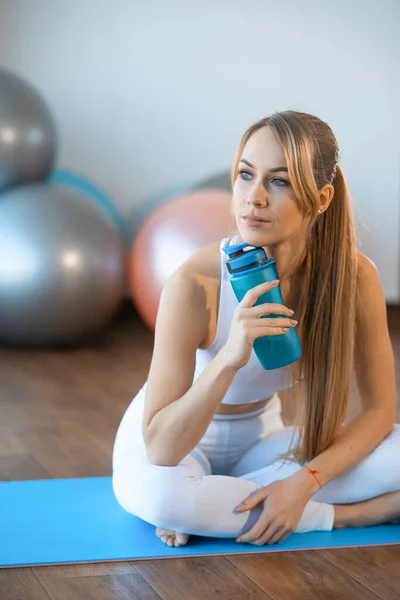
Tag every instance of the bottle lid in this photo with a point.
(240, 259)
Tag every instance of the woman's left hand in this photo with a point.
(284, 502)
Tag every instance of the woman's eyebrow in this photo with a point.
(273, 170)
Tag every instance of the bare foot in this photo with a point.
(383, 509)
(172, 538)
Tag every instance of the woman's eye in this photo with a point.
(279, 182)
(245, 175)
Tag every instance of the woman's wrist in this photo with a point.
(307, 481)
(225, 360)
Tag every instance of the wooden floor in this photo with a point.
(59, 414)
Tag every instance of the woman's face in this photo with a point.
(262, 189)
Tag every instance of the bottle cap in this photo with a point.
(240, 259)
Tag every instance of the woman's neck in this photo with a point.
(288, 256)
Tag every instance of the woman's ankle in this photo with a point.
(382, 509)
(348, 515)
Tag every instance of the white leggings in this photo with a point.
(237, 455)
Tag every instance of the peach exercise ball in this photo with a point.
(169, 237)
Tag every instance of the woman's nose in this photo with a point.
(258, 197)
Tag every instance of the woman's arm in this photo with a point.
(375, 371)
(177, 411)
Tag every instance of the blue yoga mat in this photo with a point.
(78, 520)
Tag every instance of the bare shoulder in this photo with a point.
(370, 295)
(366, 267)
(200, 273)
(205, 262)
(196, 282)
(367, 273)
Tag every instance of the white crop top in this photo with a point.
(252, 382)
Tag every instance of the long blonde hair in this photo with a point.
(325, 278)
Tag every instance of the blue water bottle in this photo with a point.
(249, 266)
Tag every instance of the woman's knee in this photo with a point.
(161, 496)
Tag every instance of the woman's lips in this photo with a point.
(254, 222)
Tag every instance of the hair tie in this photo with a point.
(334, 172)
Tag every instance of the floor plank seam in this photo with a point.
(146, 580)
(41, 583)
(356, 579)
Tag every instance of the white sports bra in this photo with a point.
(252, 382)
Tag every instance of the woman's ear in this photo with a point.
(325, 197)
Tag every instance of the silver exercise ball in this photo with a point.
(27, 133)
(62, 266)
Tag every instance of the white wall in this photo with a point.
(152, 94)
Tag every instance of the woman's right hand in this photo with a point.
(247, 326)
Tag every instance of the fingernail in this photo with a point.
(291, 312)
(285, 329)
(240, 506)
(275, 282)
(238, 540)
(294, 322)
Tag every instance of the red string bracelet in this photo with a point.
(314, 474)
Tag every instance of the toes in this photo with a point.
(172, 539)
(168, 540)
(182, 538)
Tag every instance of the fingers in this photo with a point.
(273, 322)
(258, 332)
(252, 295)
(273, 532)
(275, 537)
(256, 531)
(259, 495)
(270, 309)
(285, 535)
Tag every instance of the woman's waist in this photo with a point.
(248, 407)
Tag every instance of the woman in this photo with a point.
(199, 450)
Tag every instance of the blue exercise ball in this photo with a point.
(62, 266)
(78, 182)
(27, 133)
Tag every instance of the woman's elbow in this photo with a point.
(159, 456)
(390, 425)
(387, 419)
